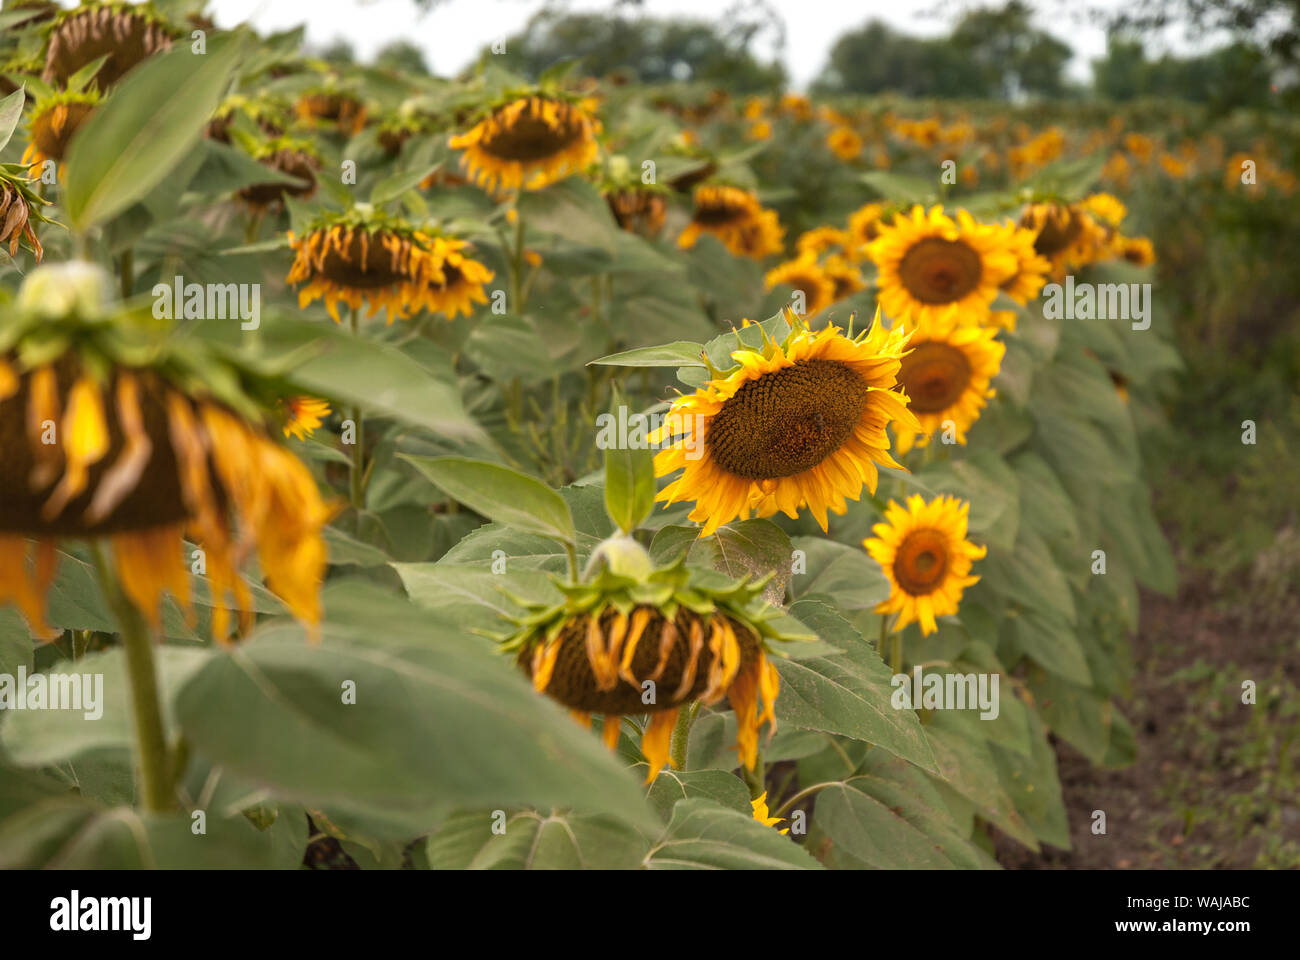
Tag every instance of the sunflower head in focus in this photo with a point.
(144, 455)
(800, 423)
(806, 276)
(635, 639)
(923, 551)
(366, 257)
(736, 218)
(530, 141)
(946, 375)
(53, 122)
(127, 33)
(929, 262)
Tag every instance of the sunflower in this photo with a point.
(1066, 235)
(336, 108)
(1032, 269)
(758, 806)
(759, 131)
(807, 278)
(737, 219)
(292, 157)
(127, 34)
(638, 209)
(820, 239)
(929, 262)
(846, 277)
(302, 415)
(799, 424)
(529, 143)
(100, 447)
(864, 226)
(1136, 250)
(19, 210)
(633, 628)
(365, 258)
(1105, 207)
(923, 551)
(845, 143)
(946, 375)
(53, 123)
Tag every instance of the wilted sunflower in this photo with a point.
(99, 446)
(530, 142)
(800, 424)
(293, 157)
(636, 639)
(1066, 235)
(928, 262)
(19, 210)
(302, 415)
(737, 219)
(946, 376)
(806, 276)
(363, 257)
(638, 209)
(334, 107)
(52, 124)
(923, 551)
(127, 33)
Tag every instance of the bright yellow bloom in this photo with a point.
(760, 813)
(529, 143)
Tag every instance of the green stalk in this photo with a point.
(146, 710)
(358, 472)
(682, 735)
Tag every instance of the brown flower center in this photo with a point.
(529, 138)
(787, 421)
(933, 376)
(1060, 228)
(364, 262)
(921, 562)
(936, 270)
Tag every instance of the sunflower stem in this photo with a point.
(756, 779)
(682, 736)
(151, 743)
(358, 473)
(573, 561)
(517, 267)
(896, 654)
(884, 636)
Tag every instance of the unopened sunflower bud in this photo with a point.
(64, 289)
(622, 556)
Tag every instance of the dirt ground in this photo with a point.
(1215, 784)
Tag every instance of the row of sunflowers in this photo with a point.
(329, 391)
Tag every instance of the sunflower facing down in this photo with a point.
(1066, 235)
(126, 33)
(143, 457)
(737, 219)
(529, 143)
(946, 376)
(928, 262)
(53, 123)
(637, 639)
(800, 424)
(923, 551)
(386, 264)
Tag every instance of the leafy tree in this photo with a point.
(1012, 54)
(875, 58)
(402, 55)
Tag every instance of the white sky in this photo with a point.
(452, 34)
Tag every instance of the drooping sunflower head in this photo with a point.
(290, 156)
(366, 257)
(1066, 234)
(923, 551)
(530, 142)
(127, 33)
(100, 445)
(53, 122)
(928, 262)
(261, 111)
(946, 376)
(737, 219)
(800, 423)
(638, 210)
(20, 210)
(652, 640)
(331, 107)
(811, 283)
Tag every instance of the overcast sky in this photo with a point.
(452, 34)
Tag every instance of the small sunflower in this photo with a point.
(845, 143)
(818, 240)
(737, 219)
(864, 226)
(806, 276)
(293, 157)
(1105, 207)
(1136, 250)
(1066, 235)
(928, 262)
(946, 375)
(800, 424)
(53, 122)
(126, 33)
(384, 263)
(529, 143)
(331, 107)
(99, 446)
(631, 628)
(923, 551)
(302, 415)
(638, 210)
(760, 813)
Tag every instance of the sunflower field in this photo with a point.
(483, 472)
